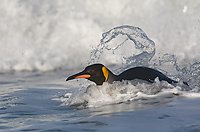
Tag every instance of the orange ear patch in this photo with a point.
(105, 73)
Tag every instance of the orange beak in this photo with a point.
(83, 76)
(79, 75)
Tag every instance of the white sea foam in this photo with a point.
(126, 91)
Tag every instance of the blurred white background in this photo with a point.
(57, 34)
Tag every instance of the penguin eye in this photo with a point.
(91, 71)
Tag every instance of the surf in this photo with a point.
(131, 91)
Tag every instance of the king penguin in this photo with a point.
(99, 74)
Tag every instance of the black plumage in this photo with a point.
(98, 73)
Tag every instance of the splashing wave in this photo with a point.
(94, 96)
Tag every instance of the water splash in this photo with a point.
(139, 93)
(163, 60)
(146, 48)
(189, 74)
(192, 75)
(134, 34)
(95, 96)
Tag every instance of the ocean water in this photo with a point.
(44, 42)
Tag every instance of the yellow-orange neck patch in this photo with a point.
(105, 73)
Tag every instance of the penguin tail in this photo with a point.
(186, 83)
(175, 82)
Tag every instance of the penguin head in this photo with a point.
(97, 73)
